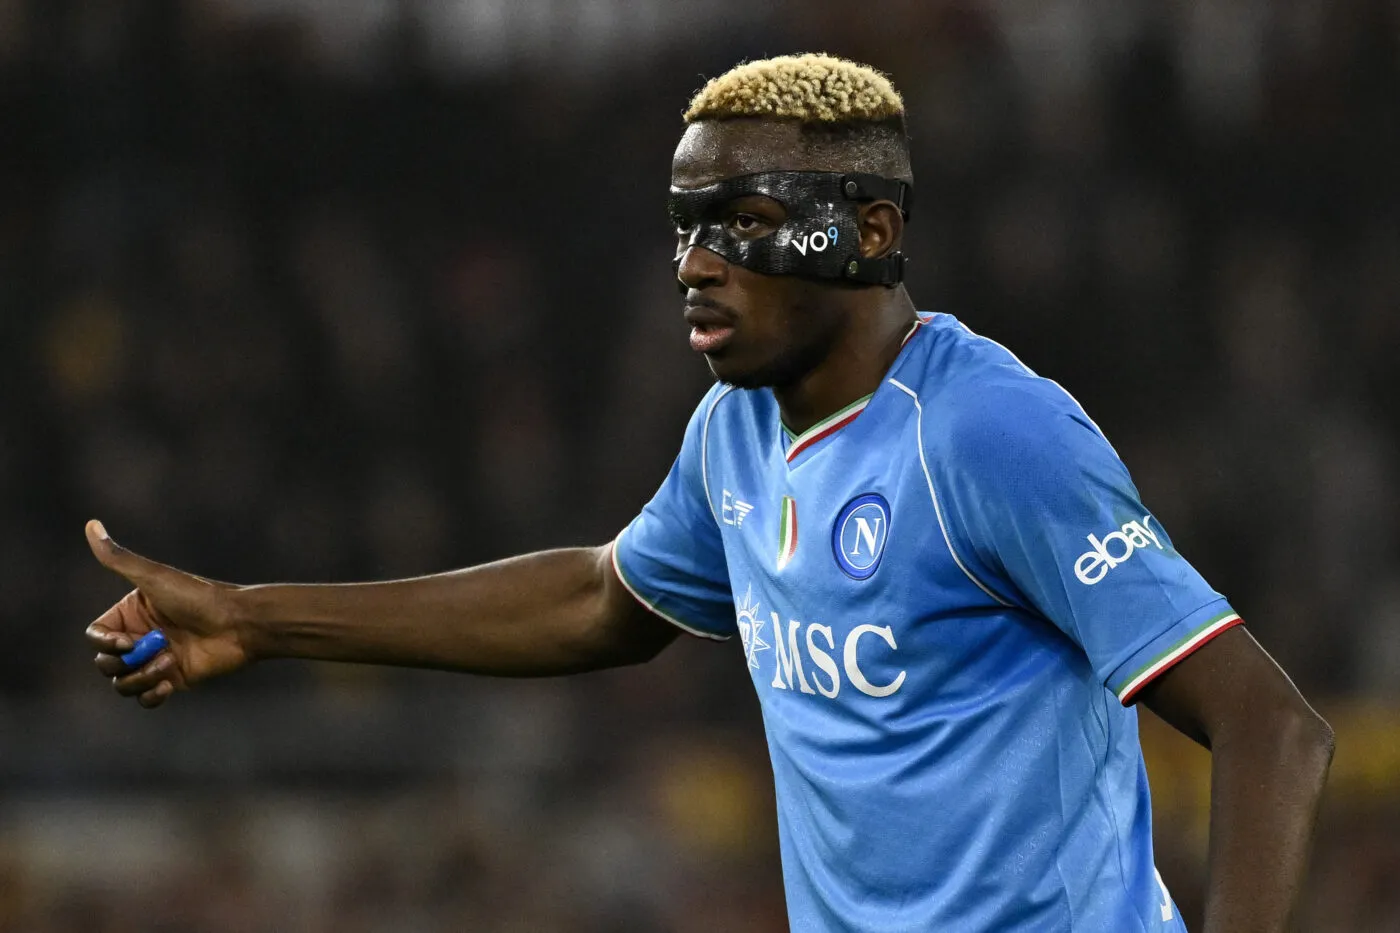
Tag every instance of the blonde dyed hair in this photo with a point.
(813, 89)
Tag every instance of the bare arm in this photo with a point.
(553, 612)
(1269, 758)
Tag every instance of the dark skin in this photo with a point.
(819, 347)
(1269, 758)
(850, 335)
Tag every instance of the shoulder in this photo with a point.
(725, 407)
(981, 406)
(711, 399)
(709, 406)
(727, 420)
(727, 401)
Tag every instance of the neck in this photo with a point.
(863, 352)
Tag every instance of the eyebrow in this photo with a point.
(714, 206)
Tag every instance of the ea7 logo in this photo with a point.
(1117, 546)
(734, 510)
(817, 241)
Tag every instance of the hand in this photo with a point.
(196, 615)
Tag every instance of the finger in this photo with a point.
(110, 665)
(102, 638)
(114, 557)
(121, 628)
(156, 695)
(145, 678)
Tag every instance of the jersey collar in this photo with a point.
(835, 422)
(824, 428)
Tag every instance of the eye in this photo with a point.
(745, 223)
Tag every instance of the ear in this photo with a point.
(881, 229)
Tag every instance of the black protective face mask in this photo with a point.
(819, 239)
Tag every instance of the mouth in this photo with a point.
(708, 338)
(710, 328)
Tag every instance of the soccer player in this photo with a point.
(945, 587)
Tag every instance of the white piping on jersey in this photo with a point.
(705, 460)
(1017, 359)
(918, 322)
(937, 510)
(617, 569)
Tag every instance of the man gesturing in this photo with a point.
(946, 588)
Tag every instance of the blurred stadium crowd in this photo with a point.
(286, 293)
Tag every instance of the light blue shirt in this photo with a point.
(942, 595)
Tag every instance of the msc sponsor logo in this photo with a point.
(750, 628)
(858, 537)
(807, 658)
(1117, 546)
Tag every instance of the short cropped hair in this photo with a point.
(810, 88)
(845, 109)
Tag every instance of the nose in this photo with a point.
(698, 267)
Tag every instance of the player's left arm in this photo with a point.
(1269, 757)
(1046, 514)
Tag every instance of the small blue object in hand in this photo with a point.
(150, 645)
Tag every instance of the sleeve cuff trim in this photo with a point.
(1163, 663)
(617, 569)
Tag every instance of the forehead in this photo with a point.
(712, 150)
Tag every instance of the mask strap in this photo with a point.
(863, 186)
(887, 270)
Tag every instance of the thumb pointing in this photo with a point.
(113, 556)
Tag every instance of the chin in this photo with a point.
(743, 382)
(732, 376)
(747, 377)
(765, 364)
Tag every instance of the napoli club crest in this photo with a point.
(859, 535)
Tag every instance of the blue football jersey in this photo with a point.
(947, 596)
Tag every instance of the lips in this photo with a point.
(710, 328)
(709, 339)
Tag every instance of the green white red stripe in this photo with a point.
(827, 426)
(1165, 660)
(832, 424)
(787, 531)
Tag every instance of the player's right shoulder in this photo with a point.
(720, 394)
(724, 406)
(710, 402)
(727, 422)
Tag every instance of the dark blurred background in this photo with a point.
(316, 291)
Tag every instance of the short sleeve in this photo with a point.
(1038, 502)
(671, 556)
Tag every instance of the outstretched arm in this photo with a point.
(553, 612)
(1269, 758)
